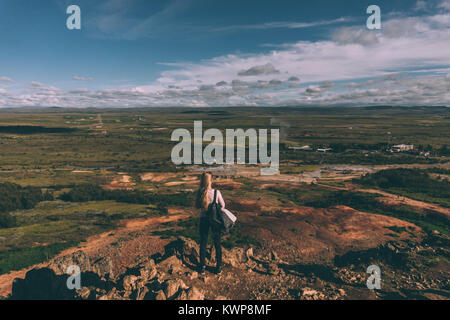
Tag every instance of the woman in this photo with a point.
(205, 196)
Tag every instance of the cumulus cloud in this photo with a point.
(313, 90)
(259, 70)
(36, 84)
(406, 63)
(405, 90)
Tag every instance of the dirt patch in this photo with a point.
(226, 184)
(178, 183)
(137, 223)
(158, 176)
(124, 182)
(303, 234)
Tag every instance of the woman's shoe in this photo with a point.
(219, 270)
(202, 269)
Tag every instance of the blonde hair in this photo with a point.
(202, 200)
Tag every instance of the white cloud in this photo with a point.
(445, 4)
(421, 6)
(6, 79)
(259, 70)
(36, 84)
(78, 78)
(280, 24)
(405, 63)
(404, 44)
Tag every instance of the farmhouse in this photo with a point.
(402, 147)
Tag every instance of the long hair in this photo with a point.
(202, 200)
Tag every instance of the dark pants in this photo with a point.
(216, 235)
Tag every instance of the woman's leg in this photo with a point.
(217, 244)
(204, 228)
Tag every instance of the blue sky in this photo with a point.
(222, 53)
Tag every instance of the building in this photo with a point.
(304, 148)
(402, 147)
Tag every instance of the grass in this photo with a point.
(56, 221)
(26, 257)
(413, 183)
(45, 158)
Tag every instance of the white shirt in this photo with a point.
(219, 200)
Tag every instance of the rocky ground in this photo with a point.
(301, 253)
(248, 274)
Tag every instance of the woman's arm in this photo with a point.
(220, 199)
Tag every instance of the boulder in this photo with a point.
(195, 294)
(78, 258)
(185, 248)
(173, 265)
(84, 293)
(160, 295)
(182, 296)
(142, 293)
(42, 284)
(113, 294)
(309, 292)
(147, 270)
(129, 283)
(103, 267)
(173, 286)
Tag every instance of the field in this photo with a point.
(106, 175)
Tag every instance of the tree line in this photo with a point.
(92, 192)
(15, 197)
(410, 180)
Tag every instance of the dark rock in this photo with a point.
(42, 284)
(78, 258)
(186, 249)
(103, 267)
(84, 293)
(173, 287)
